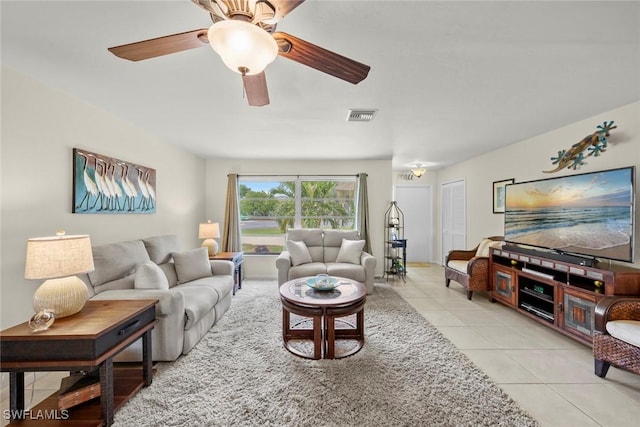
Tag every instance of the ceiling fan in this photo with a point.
(243, 34)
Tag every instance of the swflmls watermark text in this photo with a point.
(40, 414)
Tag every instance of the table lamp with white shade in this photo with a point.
(209, 231)
(58, 259)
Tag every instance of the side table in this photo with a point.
(237, 259)
(85, 341)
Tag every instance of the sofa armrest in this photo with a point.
(170, 302)
(615, 308)
(478, 263)
(367, 260)
(168, 333)
(283, 264)
(460, 255)
(222, 268)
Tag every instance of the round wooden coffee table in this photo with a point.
(323, 307)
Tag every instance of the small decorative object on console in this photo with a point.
(42, 320)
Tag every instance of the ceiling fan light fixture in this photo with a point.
(245, 48)
(418, 171)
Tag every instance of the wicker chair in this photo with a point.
(470, 268)
(608, 350)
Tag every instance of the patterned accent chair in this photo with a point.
(616, 339)
(470, 268)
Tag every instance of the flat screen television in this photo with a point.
(589, 214)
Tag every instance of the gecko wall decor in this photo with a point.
(591, 145)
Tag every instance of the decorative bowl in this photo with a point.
(322, 285)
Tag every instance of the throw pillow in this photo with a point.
(150, 276)
(192, 265)
(299, 252)
(350, 251)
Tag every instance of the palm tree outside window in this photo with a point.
(271, 205)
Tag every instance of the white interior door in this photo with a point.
(454, 217)
(416, 202)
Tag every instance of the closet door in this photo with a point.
(454, 217)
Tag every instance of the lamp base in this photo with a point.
(211, 245)
(64, 296)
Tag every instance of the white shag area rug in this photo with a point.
(240, 374)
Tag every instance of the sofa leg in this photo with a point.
(601, 367)
(469, 295)
(446, 282)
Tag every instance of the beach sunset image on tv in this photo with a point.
(589, 214)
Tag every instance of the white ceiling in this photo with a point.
(450, 79)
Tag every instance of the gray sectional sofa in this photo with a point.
(335, 252)
(193, 292)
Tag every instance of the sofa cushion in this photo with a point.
(150, 276)
(299, 252)
(347, 270)
(198, 301)
(191, 265)
(312, 237)
(127, 282)
(333, 241)
(169, 270)
(625, 330)
(350, 251)
(459, 265)
(309, 269)
(116, 260)
(335, 237)
(161, 247)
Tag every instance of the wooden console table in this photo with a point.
(85, 341)
(237, 259)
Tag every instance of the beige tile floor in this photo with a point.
(549, 375)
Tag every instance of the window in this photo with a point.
(269, 206)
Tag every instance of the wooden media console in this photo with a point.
(556, 293)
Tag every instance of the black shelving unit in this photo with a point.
(395, 245)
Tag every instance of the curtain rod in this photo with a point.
(297, 175)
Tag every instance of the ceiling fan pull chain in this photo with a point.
(243, 71)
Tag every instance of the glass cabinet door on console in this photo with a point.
(578, 312)
(503, 286)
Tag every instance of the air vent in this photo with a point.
(361, 115)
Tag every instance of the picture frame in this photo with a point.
(106, 185)
(499, 194)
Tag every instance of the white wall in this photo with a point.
(40, 126)
(378, 180)
(526, 160)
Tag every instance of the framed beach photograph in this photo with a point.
(498, 194)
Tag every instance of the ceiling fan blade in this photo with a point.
(283, 8)
(161, 45)
(321, 59)
(255, 86)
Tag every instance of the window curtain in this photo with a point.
(362, 221)
(231, 234)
